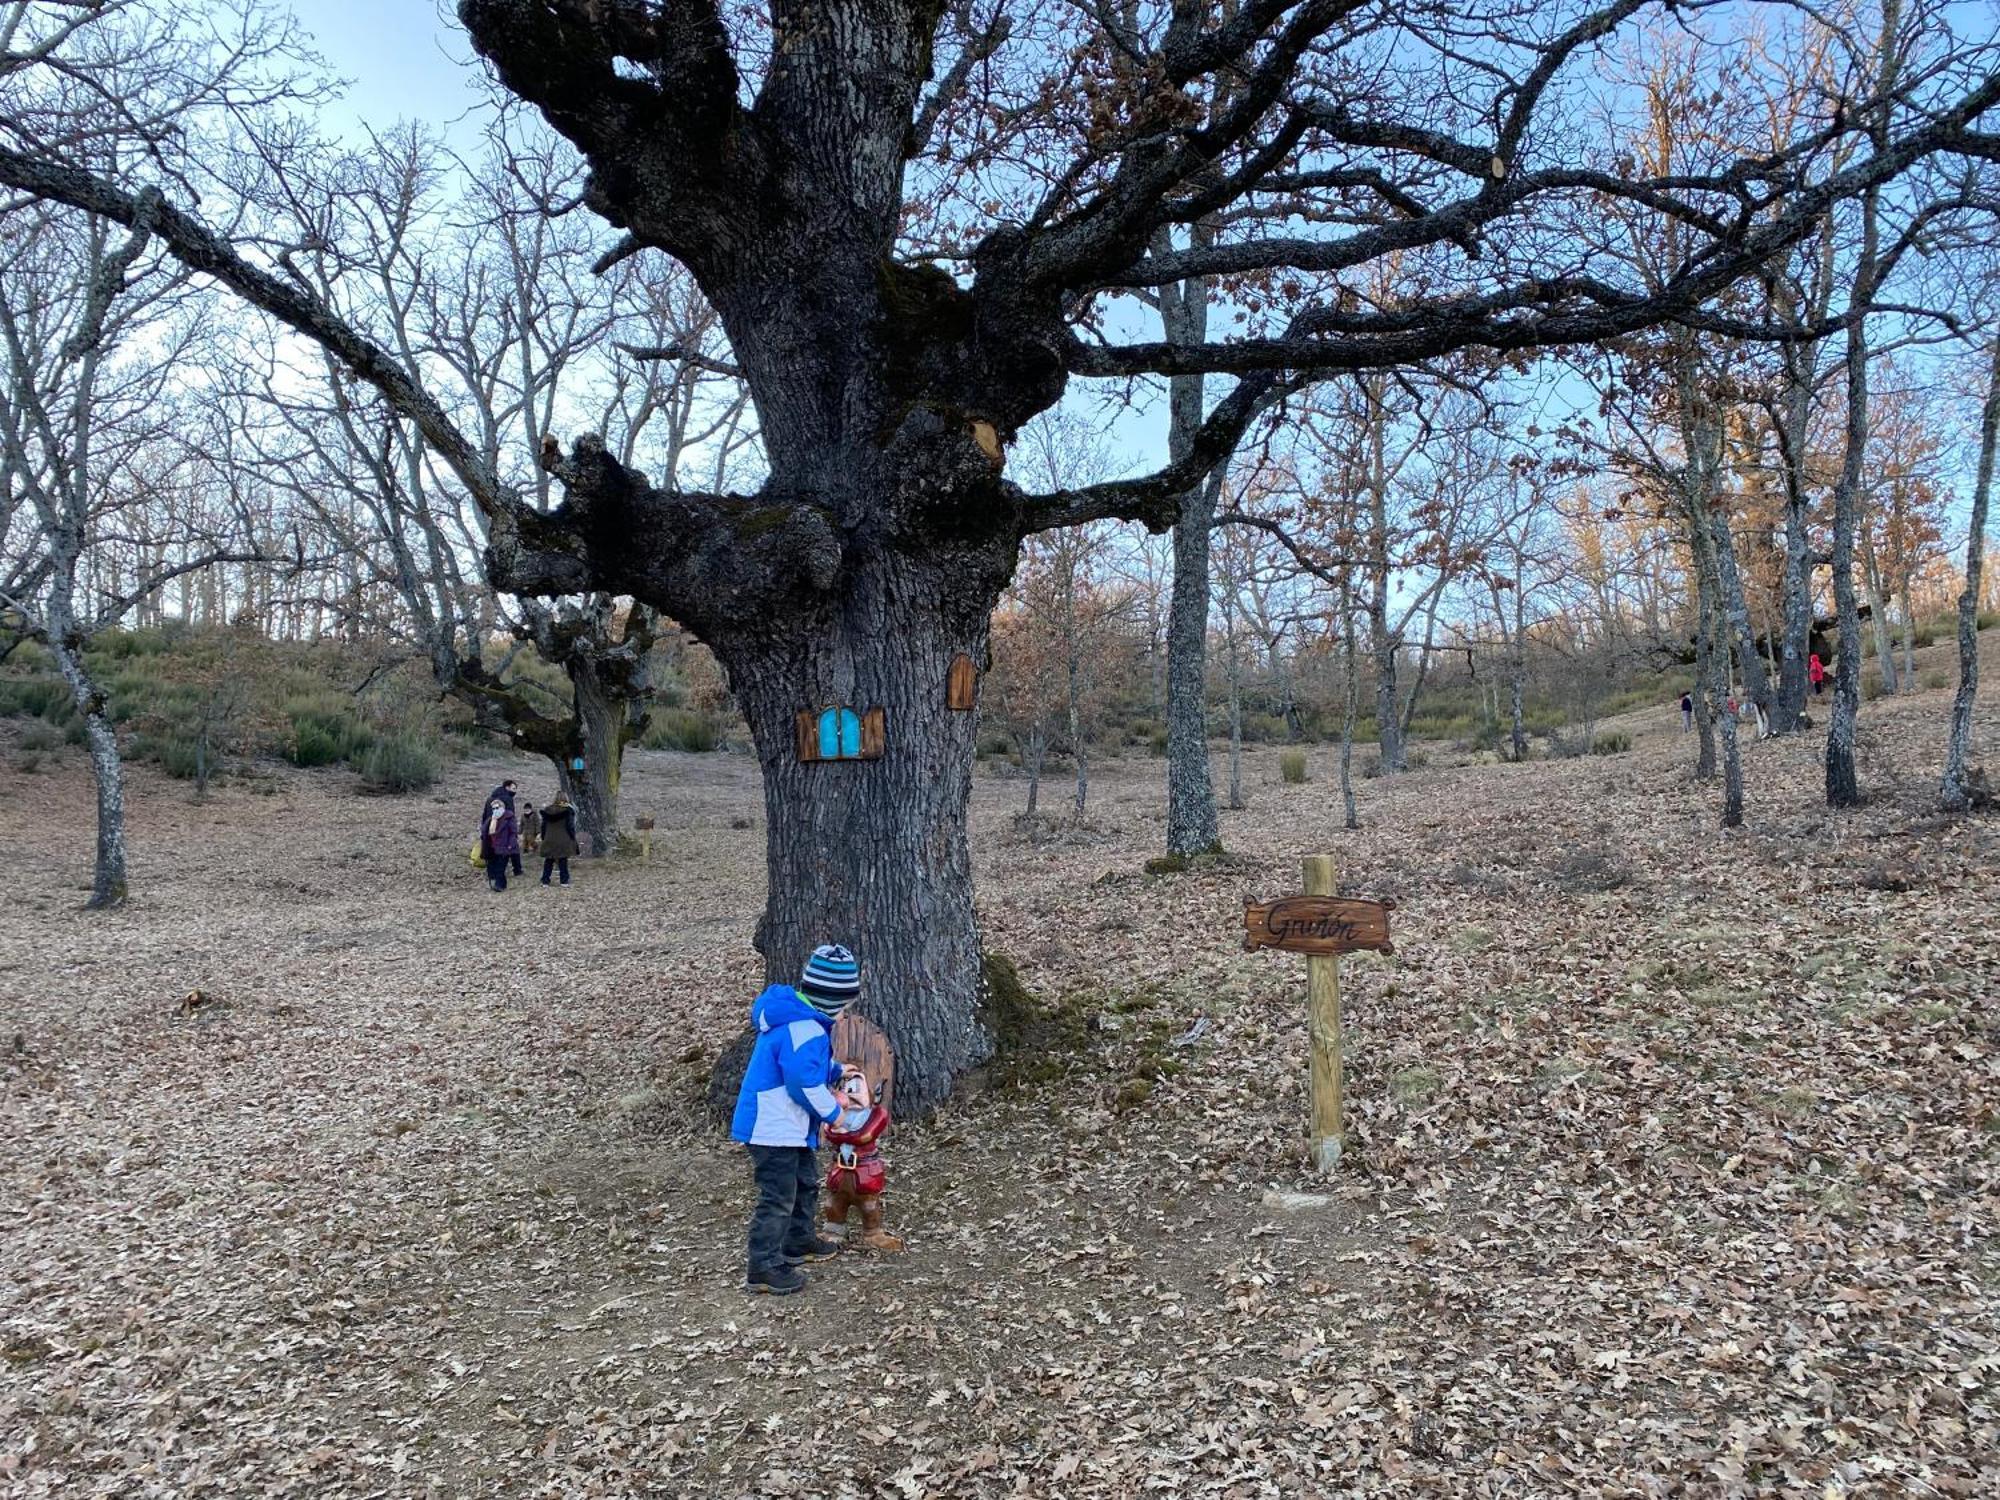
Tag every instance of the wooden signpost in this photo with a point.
(1322, 926)
(645, 827)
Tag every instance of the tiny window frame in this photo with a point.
(840, 733)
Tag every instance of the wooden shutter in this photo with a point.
(874, 735)
(806, 723)
(962, 683)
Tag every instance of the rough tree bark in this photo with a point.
(873, 853)
(1957, 792)
(108, 884)
(1714, 635)
(1192, 828)
(1791, 424)
(1736, 611)
(1383, 641)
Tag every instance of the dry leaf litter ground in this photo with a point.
(1672, 1166)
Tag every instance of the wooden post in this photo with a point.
(1323, 1029)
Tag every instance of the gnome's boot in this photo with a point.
(837, 1204)
(873, 1235)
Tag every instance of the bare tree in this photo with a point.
(1959, 792)
(92, 327)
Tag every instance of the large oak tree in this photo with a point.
(917, 225)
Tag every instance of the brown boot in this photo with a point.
(873, 1235)
(836, 1214)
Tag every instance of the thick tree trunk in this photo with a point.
(1191, 825)
(604, 723)
(1388, 715)
(873, 853)
(1956, 793)
(108, 885)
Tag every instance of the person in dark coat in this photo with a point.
(558, 838)
(1687, 712)
(503, 794)
(531, 828)
(499, 843)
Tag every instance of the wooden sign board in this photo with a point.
(859, 1041)
(1323, 925)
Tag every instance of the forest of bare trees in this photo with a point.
(1302, 372)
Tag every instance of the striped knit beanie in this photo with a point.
(831, 981)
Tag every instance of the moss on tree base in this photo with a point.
(1180, 864)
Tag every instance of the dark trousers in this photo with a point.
(496, 871)
(517, 861)
(787, 1197)
(549, 866)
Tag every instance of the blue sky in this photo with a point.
(402, 59)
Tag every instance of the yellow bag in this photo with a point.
(477, 862)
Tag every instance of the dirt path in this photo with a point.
(1674, 1161)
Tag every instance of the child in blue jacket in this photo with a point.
(787, 1094)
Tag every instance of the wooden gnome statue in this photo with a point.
(858, 1174)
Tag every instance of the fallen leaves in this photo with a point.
(1682, 1181)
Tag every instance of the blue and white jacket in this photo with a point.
(786, 1089)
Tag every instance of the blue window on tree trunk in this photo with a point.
(840, 734)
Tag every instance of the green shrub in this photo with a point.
(178, 755)
(1292, 766)
(41, 737)
(1264, 729)
(1937, 679)
(28, 762)
(314, 745)
(34, 697)
(1871, 686)
(1988, 618)
(1158, 743)
(682, 729)
(401, 763)
(1613, 743)
(1924, 635)
(325, 730)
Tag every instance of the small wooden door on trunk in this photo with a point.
(962, 684)
(859, 1041)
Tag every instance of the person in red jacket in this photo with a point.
(1816, 672)
(858, 1174)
